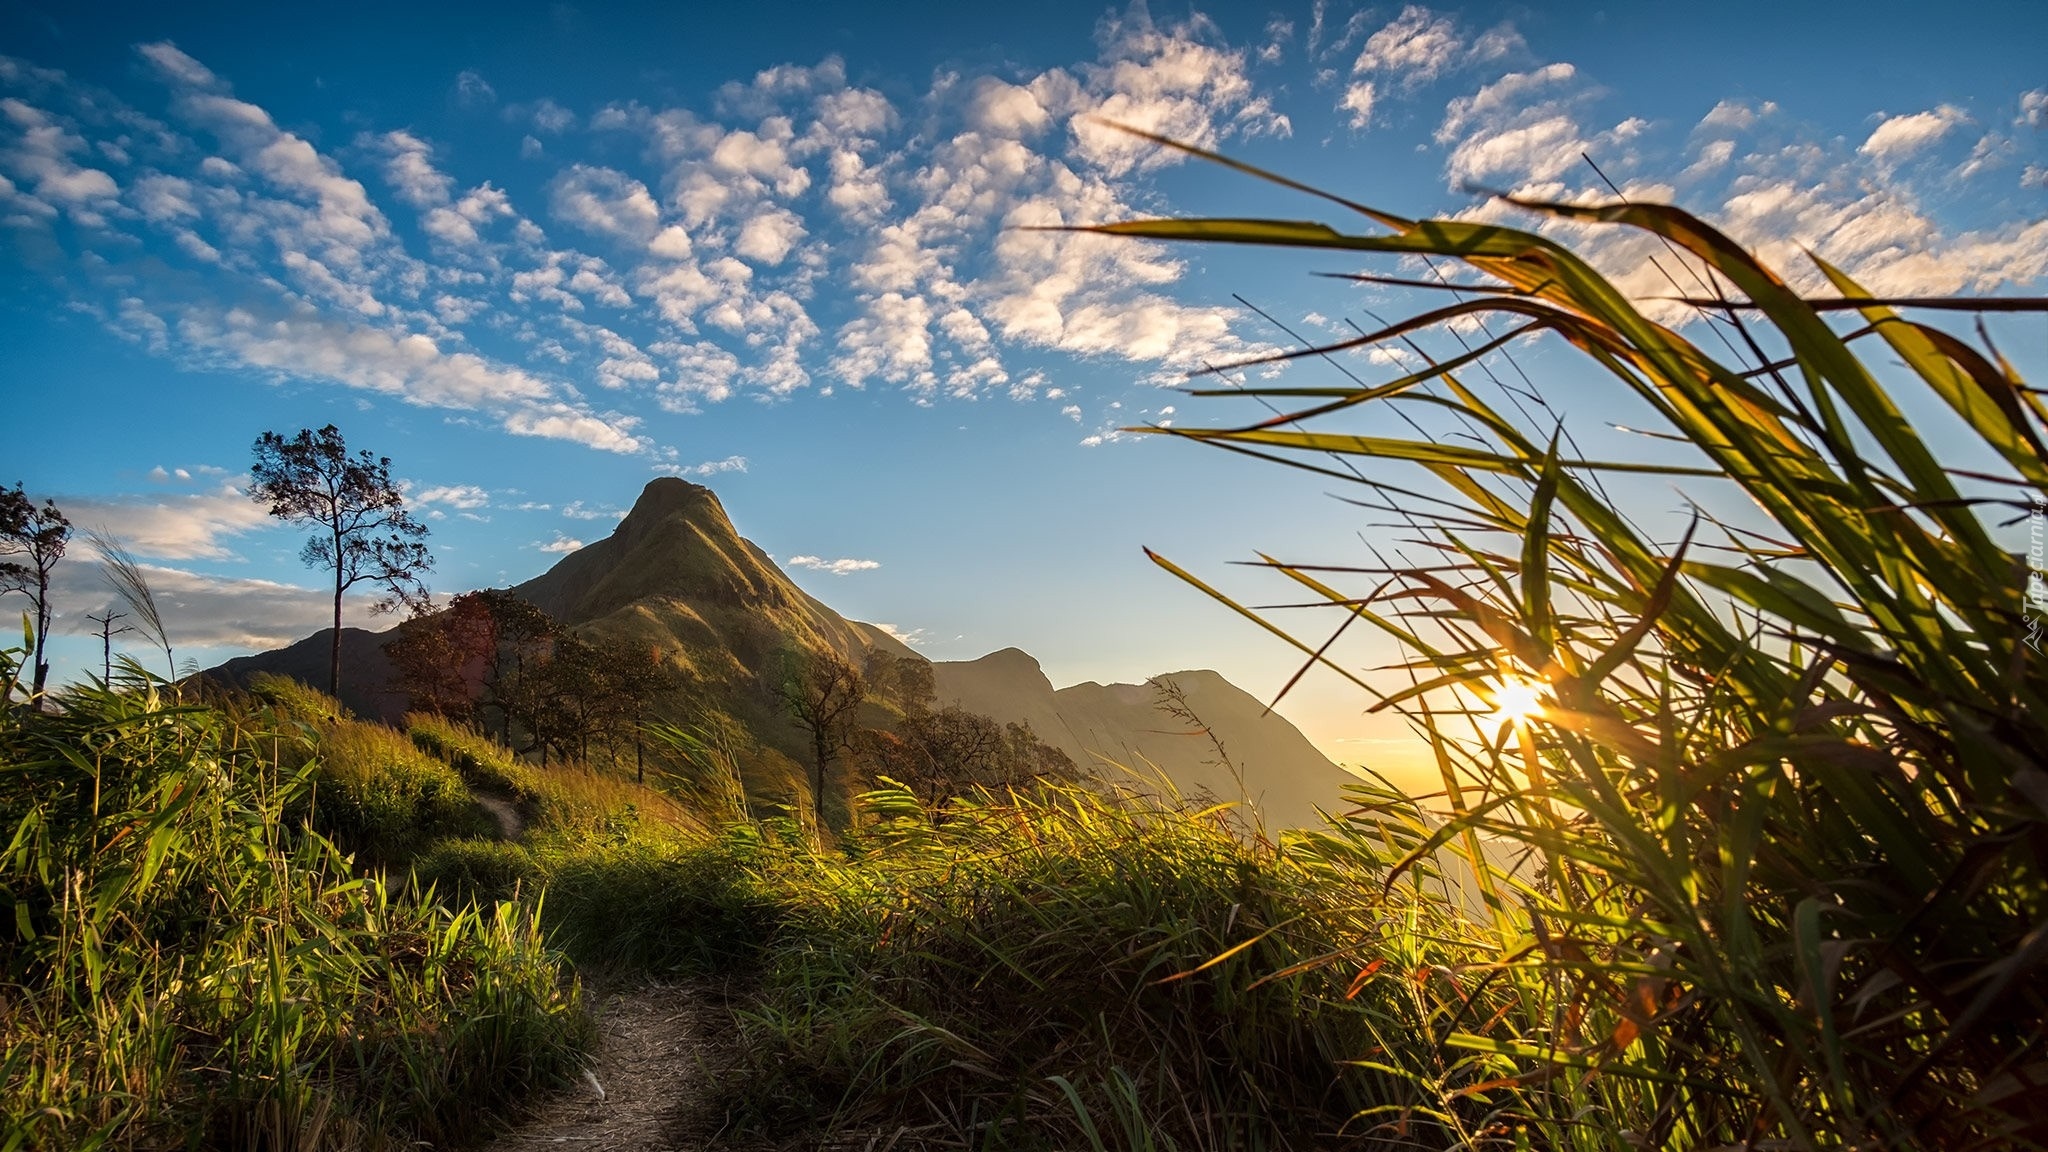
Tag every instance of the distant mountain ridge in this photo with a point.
(676, 574)
(1112, 727)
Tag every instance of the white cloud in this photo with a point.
(914, 637)
(840, 567)
(769, 236)
(1883, 237)
(181, 527)
(567, 278)
(551, 118)
(1734, 116)
(1410, 52)
(462, 496)
(671, 243)
(409, 365)
(458, 223)
(605, 201)
(207, 611)
(1901, 136)
(1171, 81)
(342, 220)
(560, 422)
(2033, 109)
(41, 156)
(577, 510)
(178, 66)
(560, 545)
(1415, 48)
(998, 108)
(1358, 101)
(703, 371)
(892, 340)
(409, 168)
(472, 90)
(714, 467)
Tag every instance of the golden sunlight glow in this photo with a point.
(1517, 699)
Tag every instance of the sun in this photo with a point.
(1517, 699)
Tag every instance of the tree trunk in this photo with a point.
(818, 782)
(42, 667)
(334, 652)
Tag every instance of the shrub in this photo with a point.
(482, 761)
(477, 871)
(1039, 970)
(569, 799)
(297, 702)
(659, 905)
(382, 796)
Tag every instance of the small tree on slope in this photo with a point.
(361, 530)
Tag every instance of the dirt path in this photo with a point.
(510, 823)
(661, 1051)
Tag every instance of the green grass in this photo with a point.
(571, 801)
(188, 965)
(1062, 968)
(1783, 786)
(373, 790)
(1014, 969)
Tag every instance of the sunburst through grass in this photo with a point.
(1781, 782)
(1518, 698)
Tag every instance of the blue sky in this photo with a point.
(538, 254)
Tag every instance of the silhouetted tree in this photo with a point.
(107, 633)
(39, 535)
(513, 682)
(905, 680)
(822, 693)
(635, 676)
(941, 753)
(361, 529)
(574, 698)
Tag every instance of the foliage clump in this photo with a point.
(1059, 968)
(189, 965)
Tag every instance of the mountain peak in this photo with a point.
(676, 544)
(668, 498)
(1012, 658)
(670, 495)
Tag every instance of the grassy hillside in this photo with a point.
(189, 964)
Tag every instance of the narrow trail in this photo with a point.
(510, 824)
(661, 1052)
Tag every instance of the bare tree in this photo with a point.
(361, 529)
(822, 694)
(107, 634)
(39, 534)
